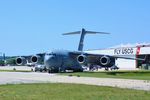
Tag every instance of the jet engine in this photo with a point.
(104, 60)
(20, 61)
(34, 59)
(81, 59)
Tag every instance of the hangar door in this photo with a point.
(140, 63)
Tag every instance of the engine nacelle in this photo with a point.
(81, 59)
(34, 59)
(20, 61)
(105, 60)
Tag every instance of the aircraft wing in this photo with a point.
(23, 60)
(114, 56)
(98, 59)
(100, 55)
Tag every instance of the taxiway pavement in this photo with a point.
(35, 77)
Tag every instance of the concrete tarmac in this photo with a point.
(25, 68)
(35, 77)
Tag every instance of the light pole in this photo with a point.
(1, 55)
(2, 58)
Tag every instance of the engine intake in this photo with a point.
(104, 60)
(81, 59)
(20, 61)
(34, 59)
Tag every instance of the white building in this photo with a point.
(141, 51)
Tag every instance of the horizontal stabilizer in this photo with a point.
(71, 33)
(86, 32)
(83, 32)
(92, 32)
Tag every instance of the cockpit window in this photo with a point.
(51, 54)
(48, 54)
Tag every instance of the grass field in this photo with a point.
(140, 75)
(15, 71)
(68, 92)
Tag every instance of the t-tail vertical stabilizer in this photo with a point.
(83, 32)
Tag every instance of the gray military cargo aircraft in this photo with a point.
(62, 60)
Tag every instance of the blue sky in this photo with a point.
(33, 26)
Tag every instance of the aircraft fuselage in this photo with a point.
(60, 60)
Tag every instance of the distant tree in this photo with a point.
(11, 61)
(2, 63)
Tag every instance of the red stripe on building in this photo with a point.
(138, 50)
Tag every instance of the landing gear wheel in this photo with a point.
(49, 71)
(106, 68)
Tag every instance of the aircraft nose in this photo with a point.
(48, 58)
